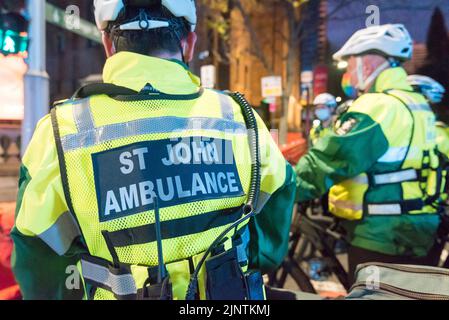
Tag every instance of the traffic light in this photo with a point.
(13, 28)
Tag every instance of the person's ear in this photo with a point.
(108, 44)
(189, 46)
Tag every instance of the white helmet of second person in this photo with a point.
(390, 40)
(325, 99)
(108, 11)
(430, 88)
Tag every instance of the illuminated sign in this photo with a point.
(12, 42)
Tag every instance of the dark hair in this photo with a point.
(149, 42)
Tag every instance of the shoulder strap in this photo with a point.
(391, 94)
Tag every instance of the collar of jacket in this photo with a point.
(392, 78)
(134, 71)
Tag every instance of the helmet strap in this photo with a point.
(182, 53)
(181, 48)
(364, 83)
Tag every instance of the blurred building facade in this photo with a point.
(247, 69)
(71, 57)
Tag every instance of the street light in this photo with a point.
(342, 65)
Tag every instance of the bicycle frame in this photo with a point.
(317, 233)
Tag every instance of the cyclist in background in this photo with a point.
(434, 92)
(325, 105)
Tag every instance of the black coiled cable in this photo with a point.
(253, 137)
(249, 209)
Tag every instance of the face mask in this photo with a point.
(323, 114)
(349, 90)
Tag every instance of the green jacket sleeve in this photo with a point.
(39, 271)
(270, 229)
(355, 147)
(42, 271)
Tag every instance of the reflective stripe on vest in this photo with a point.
(120, 285)
(89, 135)
(226, 106)
(394, 155)
(346, 205)
(411, 104)
(61, 234)
(384, 209)
(262, 201)
(396, 177)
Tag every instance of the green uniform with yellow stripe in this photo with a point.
(380, 167)
(318, 132)
(93, 206)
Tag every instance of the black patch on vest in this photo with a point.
(177, 171)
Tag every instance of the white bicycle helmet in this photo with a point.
(108, 11)
(391, 40)
(325, 99)
(430, 88)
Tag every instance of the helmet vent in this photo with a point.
(388, 34)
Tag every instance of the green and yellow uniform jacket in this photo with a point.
(443, 137)
(379, 167)
(93, 168)
(318, 132)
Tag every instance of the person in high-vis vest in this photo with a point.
(325, 105)
(381, 165)
(443, 137)
(140, 185)
(434, 92)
